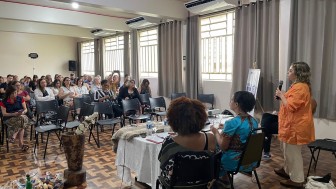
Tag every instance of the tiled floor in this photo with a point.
(101, 171)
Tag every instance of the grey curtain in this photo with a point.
(257, 41)
(193, 72)
(98, 57)
(127, 66)
(313, 40)
(135, 57)
(170, 58)
(79, 58)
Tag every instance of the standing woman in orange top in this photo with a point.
(296, 126)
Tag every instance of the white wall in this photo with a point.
(221, 90)
(54, 53)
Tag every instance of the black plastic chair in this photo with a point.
(177, 95)
(144, 99)
(130, 108)
(106, 109)
(207, 98)
(252, 152)
(43, 107)
(318, 145)
(192, 172)
(87, 98)
(4, 132)
(157, 104)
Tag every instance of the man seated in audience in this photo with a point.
(49, 80)
(104, 95)
(4, 85)
(96, 85)
(72, 78)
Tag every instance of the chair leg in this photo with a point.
(36, 142)
(46, 146)
(6, 130)
(318, 155)
(256, 175)
(113, 128)
(231, 180)
(97, 136)
(311, 160)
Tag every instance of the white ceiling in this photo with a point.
(57, 17)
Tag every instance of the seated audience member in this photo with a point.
(13, 109)
(49, 80)
(81, 88)
(33, 83)
(187, 118)
(42, 92)
(105, 95)
(27, 81)
(1, 80)
(67, 92)
(89, 80)
(96, 85)
(144, 88)
(56, 88)
(235, 132)
(114, 82)
(129, 92)
(4, 86)
(72, 78)
(24, 94)
(15, 78)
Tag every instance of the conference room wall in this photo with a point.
(54, 53)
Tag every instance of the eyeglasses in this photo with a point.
(67, 80)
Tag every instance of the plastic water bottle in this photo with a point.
(149, 126)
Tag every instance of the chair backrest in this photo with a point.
(78, 103)
(144, 98)
(192, 168)
(86, 110)
(130, 105)
(103, 107)
(158, 102)
(177, 95)
(46, 106)
(87, 98)
(63, 113)
(252, 150)
(207, 98)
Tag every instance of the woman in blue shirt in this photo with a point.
(235, 132)
(13, 109)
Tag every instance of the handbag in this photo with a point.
(312, 184)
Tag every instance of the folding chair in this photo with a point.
(177, 95)
(251, 155)
(207, 98)
(157, 104)
(107, 109)
(130, 107)
(43, 107)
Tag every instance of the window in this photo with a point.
(217, 34)
(148, 53)
(87, 58)
(114, 55)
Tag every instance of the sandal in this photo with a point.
(25, 147)
(11, 140)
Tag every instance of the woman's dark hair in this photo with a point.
(144, 81)
(103, 82)
(14, 83)
(245, 100)
(186, 116)
(39, 84)
(64, 79)
(10, 90)
(55, 82)
(77, 79)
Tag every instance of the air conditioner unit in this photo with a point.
(207, 6)
(143, 22)
(102, 33)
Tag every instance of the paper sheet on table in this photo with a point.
(155, 139)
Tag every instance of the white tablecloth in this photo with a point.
(140, 156)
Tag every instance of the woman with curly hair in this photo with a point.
(187, 118)
(296, 126)
(13, 108)
(235, 132)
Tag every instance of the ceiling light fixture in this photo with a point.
(75, 5)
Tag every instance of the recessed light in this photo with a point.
(75, 5)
